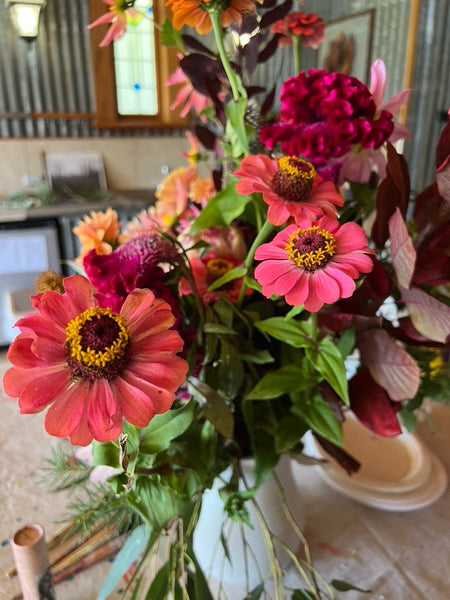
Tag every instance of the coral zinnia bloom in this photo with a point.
(93, 367)
(195, 13)
(117, 16)
(289, 185)
(100, 232)
(308, 26)
(206, 271)
(313, 262)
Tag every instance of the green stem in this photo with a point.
(297, 47)
(314, 328)
(260, 237)
(235, 85)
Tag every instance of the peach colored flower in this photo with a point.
(100, 232)
(92, 367)
(289, 185)
(194, 13)
(313, 262)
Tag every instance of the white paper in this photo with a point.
(23, 253)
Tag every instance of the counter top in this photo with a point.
(11, 212)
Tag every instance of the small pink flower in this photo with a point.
(313, 262)
(289, 185)
(192, 99)
(308, 26)
(93, 367)
(117, 16)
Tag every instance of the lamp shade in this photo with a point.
(25, 16)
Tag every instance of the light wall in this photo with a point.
(130, 163)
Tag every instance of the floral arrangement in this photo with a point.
(285, 275)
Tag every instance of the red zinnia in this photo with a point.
(93, 367)
(289, 185)
(313, 262)
(308, 26)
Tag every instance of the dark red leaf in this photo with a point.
(279, 12)
(269, 50)
(194, 45)
(372, 405)
(343, 458)
(393, 192)
(443, 147)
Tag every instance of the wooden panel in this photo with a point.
(105, 85)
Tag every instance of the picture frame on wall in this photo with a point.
(347, 44)
(75, 172)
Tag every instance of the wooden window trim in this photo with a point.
(107, 115)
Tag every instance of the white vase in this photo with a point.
(247, 548)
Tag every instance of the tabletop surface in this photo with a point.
(396, 555)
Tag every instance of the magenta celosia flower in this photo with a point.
(313, 262)
(117, 16)
(308, 26)
(134, 264)
(323, 115)
(289, 185)
(92, 367)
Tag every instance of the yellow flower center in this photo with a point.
(217, 267)
(97, 337)
(294, 179)
(311, 249)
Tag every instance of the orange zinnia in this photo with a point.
(195, 13)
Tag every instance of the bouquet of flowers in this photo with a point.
(284, 276)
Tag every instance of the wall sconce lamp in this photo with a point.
(25, 17)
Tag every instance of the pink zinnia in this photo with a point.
(289, 185)
(117, 16)
(323, 115)
(313, 262)
(187, 95)
(93, 367)
(308, 26)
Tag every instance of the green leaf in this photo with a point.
(343, 586)
(217, 328)
(128, 554)
(105, 453)
(162, 429)
(169, 35)
(327, 360)
(155, 502)
(221, 209)
(320, 417)
(258, 357)
(302, 595)
(214, 406)
(235, 126)
(159, 589)
(286, 380)
(235, 273)
(288, 433)
(294, 333)
(256, 592)
(346, 342)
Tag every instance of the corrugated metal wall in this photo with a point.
(54, 74)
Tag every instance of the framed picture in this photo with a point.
(347, 45)
(75, 172)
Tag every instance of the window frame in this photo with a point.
(107, 115)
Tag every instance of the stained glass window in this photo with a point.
(135, 65)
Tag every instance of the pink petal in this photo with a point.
(377, 81)
(394, 104)
(277, 214)
(104, 415)
(350, 237)
(65, 414)
(345, 283)
(299, 292)
(324, 286)
(136, 405)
